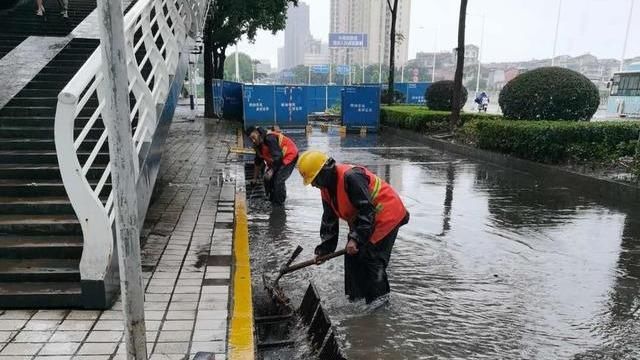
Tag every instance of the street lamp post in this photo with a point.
(480, 56)
(237, 66)
(626, 35)
(555, 37)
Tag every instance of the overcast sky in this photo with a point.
(514, 29)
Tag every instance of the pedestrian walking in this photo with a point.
(64, 8)
(276, 157)
(373, 211)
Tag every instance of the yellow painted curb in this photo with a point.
(241, 343)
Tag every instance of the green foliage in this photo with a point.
(398, 97)
(244, 63)
(421, 119)
(549, 93)
(554, 141)
(439, 95)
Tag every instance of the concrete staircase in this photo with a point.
(21, 19)
(40, 236)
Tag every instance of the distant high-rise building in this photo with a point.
(373, 18)
(281, 62)
(296, 35)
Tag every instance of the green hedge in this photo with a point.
(421, 119)
(555, 142)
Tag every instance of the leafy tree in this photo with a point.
(228, 21)
(457, 80)
(245, 65)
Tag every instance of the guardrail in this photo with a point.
(156, 31)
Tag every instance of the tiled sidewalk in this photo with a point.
(186, 264)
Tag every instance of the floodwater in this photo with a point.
(495, 264)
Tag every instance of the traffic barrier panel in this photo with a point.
(290, 106)
(258, 105)
(361, 107)
(232, 104)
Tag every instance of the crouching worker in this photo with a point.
(374, 212)
(279, 153)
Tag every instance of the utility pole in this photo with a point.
(480, 56)
(626, 35)
(121, 150)
(309, 80)
(555, 37)
(435, 50)
(237, 65)
(363, 64)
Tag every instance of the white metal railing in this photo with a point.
(156, 32)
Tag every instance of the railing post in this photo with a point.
(121, 151)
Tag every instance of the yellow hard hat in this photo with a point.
(310, 163)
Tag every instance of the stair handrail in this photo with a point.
(155, 31)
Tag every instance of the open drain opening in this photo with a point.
(279, 326)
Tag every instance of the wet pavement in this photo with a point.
(494, 263)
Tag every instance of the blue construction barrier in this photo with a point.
(291, 106)
(258, 105)
(413, 92)
(218, 99)
(361, 107)
(232, 105)
(316, 98)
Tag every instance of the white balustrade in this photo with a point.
(156, 32)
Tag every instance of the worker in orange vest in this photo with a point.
(280, 154)
(374, 212)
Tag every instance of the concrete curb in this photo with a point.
(612, 193)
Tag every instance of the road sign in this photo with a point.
(348, 40)
(343, 69)
(320, 69)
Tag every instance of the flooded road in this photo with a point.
(494, 263)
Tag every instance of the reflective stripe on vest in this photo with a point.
(389, 209)
(287, 146)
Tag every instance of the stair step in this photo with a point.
(62, 224)
(35, 206)
(50, 101)
(35, 188)
(41, 172)
(39, 110)
(32, 132)
(33, 247)
(46, 157)
(43, 144)
(39, 270)
(40, 295)
(41, 121)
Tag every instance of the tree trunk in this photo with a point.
(207, 58)
(457, 80)
(392, 52)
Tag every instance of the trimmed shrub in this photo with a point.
(421, 119)
(398, 97)
(549, 93)
(554, 141)
(439, 94)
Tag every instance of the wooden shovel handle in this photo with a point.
(322, 258)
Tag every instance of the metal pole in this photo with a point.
(116, 115)
(626, 35)
(480, 56)
(555, 38)
(309, 80)
(402, 73)
(330, 73)
(349, 64)
(363, 64)
(380, 69)
(435, 50)
(237, 66)
(253, 73)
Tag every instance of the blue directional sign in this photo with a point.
(287, 74)
(348, 40)
(320, 69)
(343, 69)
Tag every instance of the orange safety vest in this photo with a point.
(389, 209)
(287, 146)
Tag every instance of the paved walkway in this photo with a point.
(186, 263)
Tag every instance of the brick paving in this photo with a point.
(186, 264)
